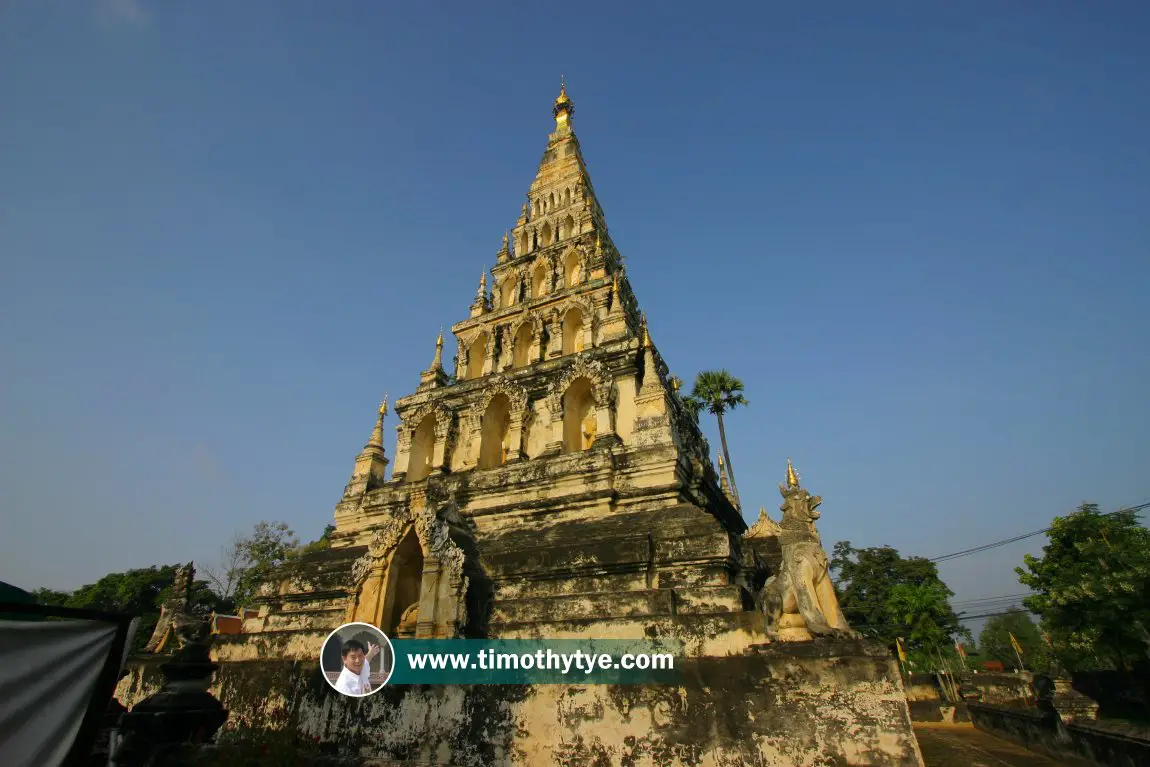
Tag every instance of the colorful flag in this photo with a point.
(961, 652)
(1014, 643)
(901, 654)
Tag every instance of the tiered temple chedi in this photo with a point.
(554, 485)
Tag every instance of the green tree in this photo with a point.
(51, 597)
(922, 614)
(135, 592)
(249, 560)
(1092, 588)
(719, 392)
(994, 641)
(322, 543)
(867, 581)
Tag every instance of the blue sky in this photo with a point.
(917, 231)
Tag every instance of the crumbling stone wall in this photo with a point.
(828, 702)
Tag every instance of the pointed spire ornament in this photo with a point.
(792, 477)
(506, 236)
(647, 345)
(481, 294)
(375, 442)
(724, 482)
(438, 361)
(564, 108)
(371, 463)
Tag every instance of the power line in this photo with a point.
(982, 600)
(961, 619)
(964, 618)
(1015, 539)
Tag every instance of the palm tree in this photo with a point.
(718, 391)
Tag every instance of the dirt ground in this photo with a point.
(961, 745)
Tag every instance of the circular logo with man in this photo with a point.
(357, 659)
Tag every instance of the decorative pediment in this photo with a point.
(502, 385)
(582, 303)
(532, 318)
(764, 527)
(384, 538)
(603, 388)
(469, 337)
(443, 417)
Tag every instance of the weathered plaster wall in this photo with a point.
(928, 703)
(1080, 743)
(819, 703)
(1005, 689)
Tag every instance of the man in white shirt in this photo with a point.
(355, 678)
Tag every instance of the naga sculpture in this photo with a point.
(176, 619)
(800, 599)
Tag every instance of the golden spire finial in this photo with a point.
(563, 101)
(646, 333)
(720, 460)
(506, 236)
(792, 477)
(375, 441)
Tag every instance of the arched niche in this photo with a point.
(578, 416)
(539, 281)
(546, 234)
(495, 432)
(571, 271)
(522, 243)
(567, 196)
(567, 230)
(404, 587)
(509, 291)
(476, 354)
(422, 452)
(522, 346)
(573, 331)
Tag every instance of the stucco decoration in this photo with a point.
(602, 387)
(443, 415)
(433, 528)
(383, 541)
(499, 385)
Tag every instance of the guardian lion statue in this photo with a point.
(800, 600)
